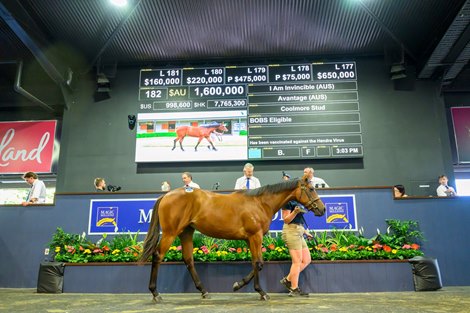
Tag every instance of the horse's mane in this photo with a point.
(274, 188)
(210, 125)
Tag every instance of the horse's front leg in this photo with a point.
(257, 265)
(257, 262)
(186, 238)
(242, 283)
(212, 144)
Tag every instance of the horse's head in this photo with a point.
(309, 197)
(222, 128)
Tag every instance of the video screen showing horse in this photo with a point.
(198, 136)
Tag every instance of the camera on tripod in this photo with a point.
(112, 188)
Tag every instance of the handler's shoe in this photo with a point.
(286, 283)
(297, 292)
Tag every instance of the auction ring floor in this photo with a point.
(448, 299)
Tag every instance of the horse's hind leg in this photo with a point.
(198, 142)
(157, 257)
(174, 144)
(187, 246)
(153, 277)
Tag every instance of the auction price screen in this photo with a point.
(276, 111)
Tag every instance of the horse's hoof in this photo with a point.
(265, 298)
(157, 299)
(206, 295)
(236, 286)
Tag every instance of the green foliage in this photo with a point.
(404, 231)
(400, 242)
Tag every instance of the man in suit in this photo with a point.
(247, 181)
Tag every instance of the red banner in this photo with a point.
(26, 146)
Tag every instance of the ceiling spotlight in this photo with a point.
(397, 68)
(103, 87)
(397, 71)
(102, 83)
(119, 3)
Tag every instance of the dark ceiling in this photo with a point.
(74, 37)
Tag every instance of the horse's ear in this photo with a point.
(304, 179)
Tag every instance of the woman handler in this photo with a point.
(293, 233)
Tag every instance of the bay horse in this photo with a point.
(241, 215)
(203, 131)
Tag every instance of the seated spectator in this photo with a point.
(399, 191)
(100, 184)
(444, 190)
(316, 182)
(37, 193)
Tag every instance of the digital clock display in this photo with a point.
(253, 112)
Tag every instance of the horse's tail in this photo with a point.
(153, 234)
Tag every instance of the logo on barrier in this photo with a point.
(107, 218)
(336, 212)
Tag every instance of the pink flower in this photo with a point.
(263, 249)
(407, 246)
(377, 246)
(178, 248)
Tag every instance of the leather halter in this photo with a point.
(312, 201)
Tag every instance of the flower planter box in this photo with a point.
(319, 277)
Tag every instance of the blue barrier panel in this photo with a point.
(113, 216)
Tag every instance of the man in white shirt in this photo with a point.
(316, 182)
(444, 190)
(37, 193)
(188, 180)
(247, 181)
